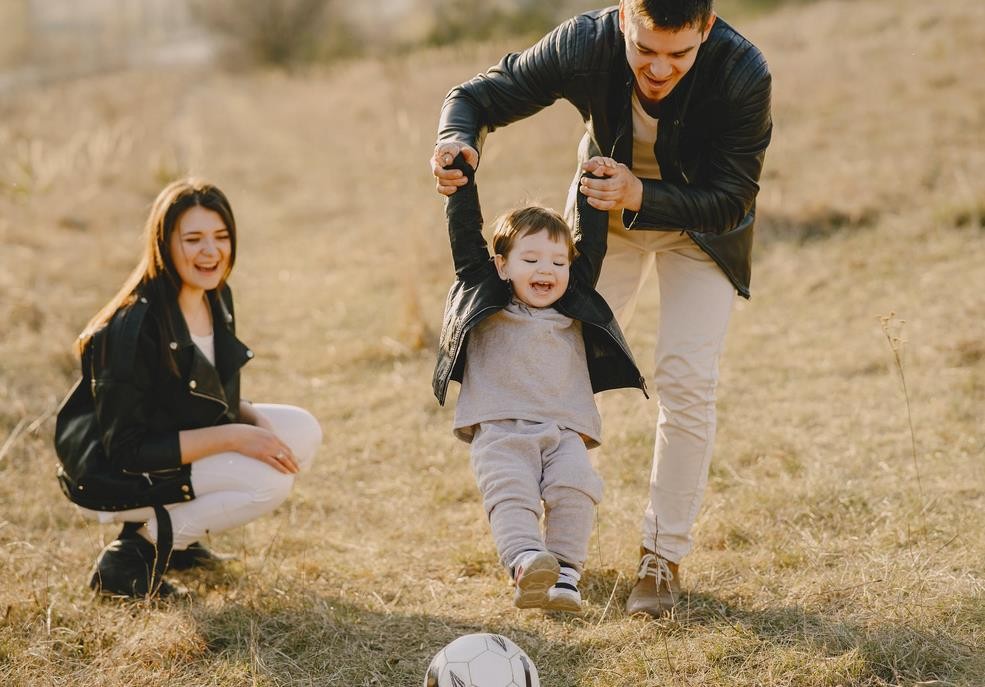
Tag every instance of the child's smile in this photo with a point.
(537, 267)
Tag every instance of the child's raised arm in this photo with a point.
(593, 227)
(468, 247)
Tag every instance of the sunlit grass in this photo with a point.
(819, 561)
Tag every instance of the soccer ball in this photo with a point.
(481, 660)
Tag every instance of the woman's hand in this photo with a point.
(620, 189)
(261, 443)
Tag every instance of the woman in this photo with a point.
(155, 435)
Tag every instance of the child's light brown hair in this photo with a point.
(531, 220)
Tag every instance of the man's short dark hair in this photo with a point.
(672, 14)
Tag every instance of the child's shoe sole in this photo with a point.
(535, 581)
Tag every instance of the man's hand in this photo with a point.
(619, 190)
(448, 180)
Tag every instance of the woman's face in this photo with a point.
(200, 249)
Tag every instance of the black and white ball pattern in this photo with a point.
(481, 660)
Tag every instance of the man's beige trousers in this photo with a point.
(695, 303)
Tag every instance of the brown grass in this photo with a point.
(817, 561)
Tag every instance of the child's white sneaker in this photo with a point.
(564, 595)
(534, 574)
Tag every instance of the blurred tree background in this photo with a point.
(42, 39)
(282, 32)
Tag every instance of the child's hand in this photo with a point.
(595, 165)
(617, 189)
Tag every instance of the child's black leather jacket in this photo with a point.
(478, 292)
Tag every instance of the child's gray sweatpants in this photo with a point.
(518, 464)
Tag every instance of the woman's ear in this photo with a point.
(501, 267)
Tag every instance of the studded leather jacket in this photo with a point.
(117, 431)
(714, 128)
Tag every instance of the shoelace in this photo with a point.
(656, 566)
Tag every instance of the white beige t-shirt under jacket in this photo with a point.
(206, 344)
(645, 165)
(527, 363)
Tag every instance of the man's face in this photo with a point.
(658, 57)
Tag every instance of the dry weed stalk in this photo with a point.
(893, 329)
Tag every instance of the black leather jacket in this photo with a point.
(714, 126)
(117, 431)
(478, 292)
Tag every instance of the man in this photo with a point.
(677, 105)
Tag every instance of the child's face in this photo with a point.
(537, 266)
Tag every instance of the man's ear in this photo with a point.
(622, 15)
(707, 29)
(501, 266)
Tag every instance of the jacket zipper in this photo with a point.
(622, 348)
(620, 133)
(225, 406)
(622, 122)
(146, 475)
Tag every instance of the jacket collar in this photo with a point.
(230, 353)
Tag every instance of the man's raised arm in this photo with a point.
(522, 84)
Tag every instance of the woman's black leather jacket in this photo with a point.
(478, 292)
(117, 431)
(711, 142)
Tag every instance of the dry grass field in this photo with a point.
(834, 548)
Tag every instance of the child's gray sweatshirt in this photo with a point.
(525, 363)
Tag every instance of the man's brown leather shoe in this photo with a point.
(657, 588)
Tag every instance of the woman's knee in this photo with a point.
(273, 490)
(309, 439)
(298, 428)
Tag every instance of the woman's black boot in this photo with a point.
(129, 566)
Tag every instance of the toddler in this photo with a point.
(531, 341)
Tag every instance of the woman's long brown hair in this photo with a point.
(155, 276)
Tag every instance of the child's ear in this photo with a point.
(501, 266)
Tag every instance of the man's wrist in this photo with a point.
(635, 200)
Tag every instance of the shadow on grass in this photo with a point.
(922, 647)
(883, 652)
(301, 637)
(323, 640)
